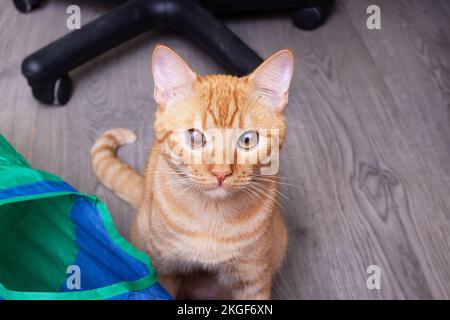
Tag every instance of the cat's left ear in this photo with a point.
(273, 77)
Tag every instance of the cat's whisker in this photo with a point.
(277, 182)
(314, 191)
(279, 193)
(278, 176)
(255, 193)
(258, 189)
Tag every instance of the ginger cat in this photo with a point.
(218, 216)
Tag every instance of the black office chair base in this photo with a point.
(47, 69)
(26, 6)
(56, 92)
(309, 18)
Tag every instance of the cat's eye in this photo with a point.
(248, 140)
(195, 139)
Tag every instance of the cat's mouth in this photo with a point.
(217, 190)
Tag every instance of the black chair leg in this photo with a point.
(215, 38)
(26, 6)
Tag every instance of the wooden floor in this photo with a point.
(368, 142)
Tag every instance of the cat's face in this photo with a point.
(220, 133)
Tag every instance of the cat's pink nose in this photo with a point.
(222, 176)
(221, 173)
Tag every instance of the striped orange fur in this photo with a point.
(216, 218)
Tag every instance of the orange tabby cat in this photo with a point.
(218, 215)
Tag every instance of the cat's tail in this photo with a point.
(118, 176)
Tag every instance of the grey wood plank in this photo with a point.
(411, 54)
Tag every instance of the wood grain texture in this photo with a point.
(368, 141)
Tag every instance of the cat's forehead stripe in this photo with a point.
(223, 95)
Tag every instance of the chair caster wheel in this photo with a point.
(26, 6)
(56, 93)
(309, 18)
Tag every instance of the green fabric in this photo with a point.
(9, 155)
(15, 170)
(46, 251)
(96, 294)
(26, 253)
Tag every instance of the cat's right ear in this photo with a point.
(172, 76)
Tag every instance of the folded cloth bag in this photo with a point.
(57, 243)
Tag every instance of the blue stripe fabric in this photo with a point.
(37, 188)
(101, 261)
(155, 292)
